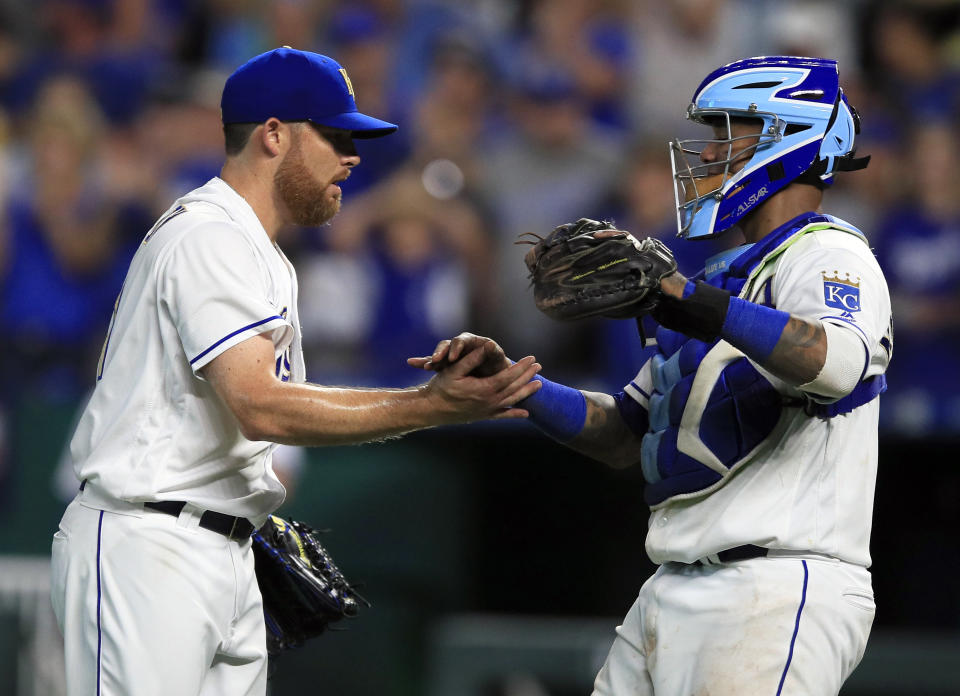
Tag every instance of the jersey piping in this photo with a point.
(238, 331)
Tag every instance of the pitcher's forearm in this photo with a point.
(306, 414)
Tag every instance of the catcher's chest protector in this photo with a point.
(711, 410)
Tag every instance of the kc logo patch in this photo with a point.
(841, 294)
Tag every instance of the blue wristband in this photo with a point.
(557, 410)
(753, 328)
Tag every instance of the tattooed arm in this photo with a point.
(800, 353)
(792, 348)
(605, 435)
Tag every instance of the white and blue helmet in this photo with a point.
(807, 133)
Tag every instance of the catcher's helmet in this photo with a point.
(807, 131)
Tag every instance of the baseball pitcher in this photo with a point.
(201, 373)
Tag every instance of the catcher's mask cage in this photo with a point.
(805, 130)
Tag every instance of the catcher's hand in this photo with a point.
(303, 590)
(588, 268)
(450, 350)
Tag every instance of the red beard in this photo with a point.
(302, 194)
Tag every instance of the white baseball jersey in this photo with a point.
(205, 278)
(811, 488)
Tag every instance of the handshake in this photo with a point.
(474, 379)
(491, 357)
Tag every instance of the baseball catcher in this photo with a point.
(590, 268)
(754, 417)
(303, 590)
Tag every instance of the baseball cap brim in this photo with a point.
(361, 125)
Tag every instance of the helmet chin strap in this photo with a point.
(847, 163)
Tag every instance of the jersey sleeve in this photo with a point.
(641, 387)
(835, 279)
(217, 294)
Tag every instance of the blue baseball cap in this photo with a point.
(294, 85)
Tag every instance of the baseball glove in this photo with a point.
(588, 268)
(303, 590)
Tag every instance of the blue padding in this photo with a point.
(668, 341)
(758, 411)
(648, 456)
(688, 482)
(743, 407)
(740, 374)
(678, 399)
(863, 393)
(633, 414)
(558, 410)
(656, 373)
(691, 354)
(660, 410)
(665, 373)
(716, 431)
(753, 328)
(734, 285)
(741, 412)
(671, 370)
(671, 461)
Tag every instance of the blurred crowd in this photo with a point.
(515, 115)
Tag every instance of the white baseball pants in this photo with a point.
(151, 605)
(773, 626)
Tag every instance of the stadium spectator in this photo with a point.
(177, 144)
(366, 48)
(552, 166)
(678, 39)
(919, 249)
(102, 47)
(67, 250)
(400, 269)
(911, 67)
(460, 111)
(591, 41)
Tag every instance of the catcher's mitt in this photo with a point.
(303, 590)
(587, 268)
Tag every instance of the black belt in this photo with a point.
(235, 528)
(737, 553)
